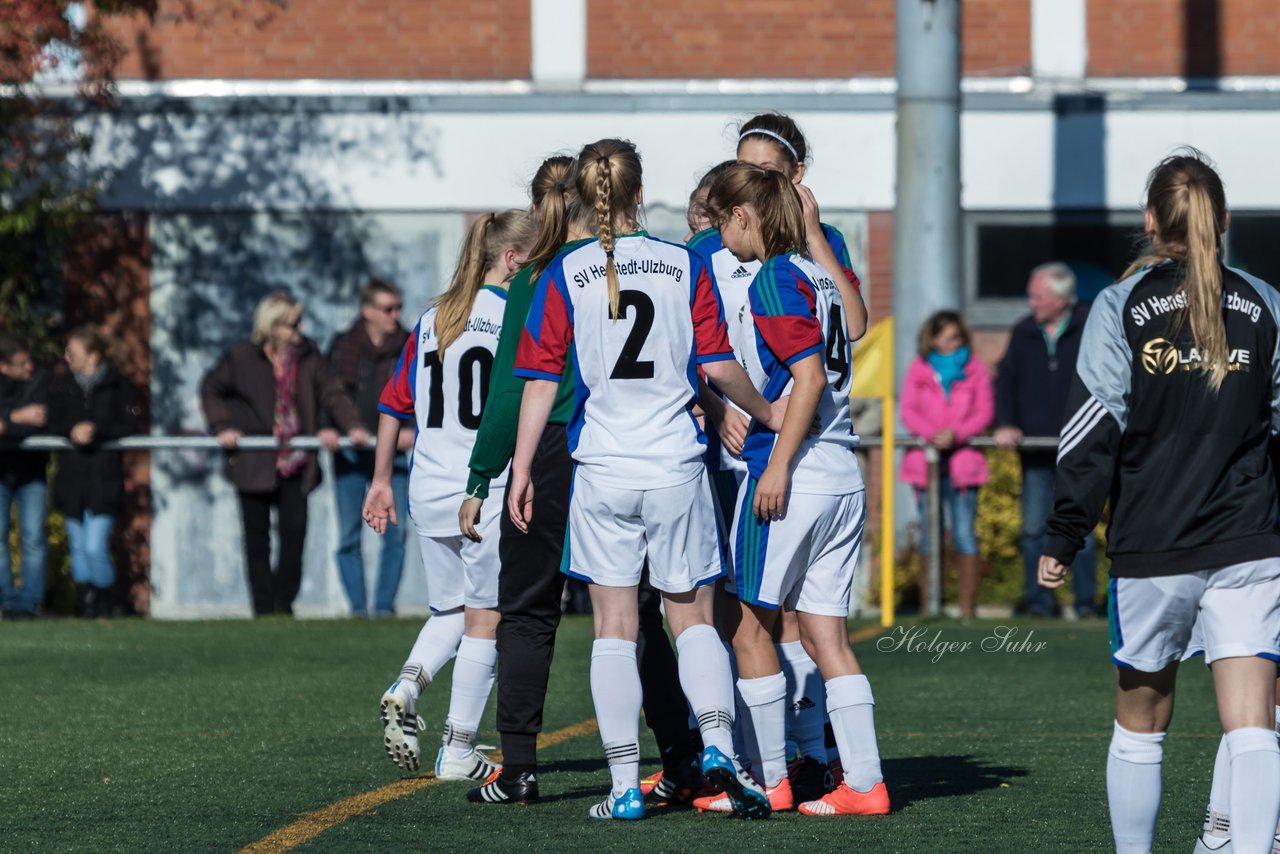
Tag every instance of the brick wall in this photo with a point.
(489, 39)
(358, 39)
(804, 38)
(1150, 37)
(997, 37)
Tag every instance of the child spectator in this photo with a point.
(947, 399)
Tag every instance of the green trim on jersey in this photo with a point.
(766, 286)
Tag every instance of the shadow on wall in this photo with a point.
(177, 288)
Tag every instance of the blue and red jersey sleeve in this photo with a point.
(710, 333)
(841, 249)
(398, 394)
(782, 303)
(547, 334)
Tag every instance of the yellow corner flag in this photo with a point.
(873, 362)
(873, 377)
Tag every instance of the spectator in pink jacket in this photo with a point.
(947, 399)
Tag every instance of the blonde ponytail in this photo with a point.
(549, 190)
(1203, 284)
(1188, 203)
(488, 236)
(773, 198)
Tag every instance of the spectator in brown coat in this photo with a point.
(275, 385)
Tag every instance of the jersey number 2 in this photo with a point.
(837, 350)
(629, 366)
(468, 416)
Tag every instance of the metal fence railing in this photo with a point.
(932, 525)
(311, 443)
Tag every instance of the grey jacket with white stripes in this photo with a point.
(1186, 469)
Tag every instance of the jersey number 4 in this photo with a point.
(629, 365)
(837, 350)
(468, 413)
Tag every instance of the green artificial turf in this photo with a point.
(151, 736)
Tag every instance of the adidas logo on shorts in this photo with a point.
(741, 273)
(802, 703)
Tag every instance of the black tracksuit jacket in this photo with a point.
(1187, 470)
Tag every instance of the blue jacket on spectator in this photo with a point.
(1031, 387)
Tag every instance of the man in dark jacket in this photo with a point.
(1031, 398)
(24, 398)
(364, 357)
(275, 385)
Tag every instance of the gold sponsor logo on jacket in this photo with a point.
(1160, 356)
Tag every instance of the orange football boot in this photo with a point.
(846, 801)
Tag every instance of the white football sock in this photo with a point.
(436, 644)
(1255, 788)
(1133, 788)
(766, 698)
(472, 682)
(742, 745)
(806, 700)
(616, 691)
(852, 710)
(1220, 787)
(704, 676)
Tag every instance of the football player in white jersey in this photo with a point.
(800, 514)
(441, 382)
(774, 141)
(642, 316)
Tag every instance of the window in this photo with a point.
(1251, 244)
(1003, 249)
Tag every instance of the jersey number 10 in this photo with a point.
(468, 413)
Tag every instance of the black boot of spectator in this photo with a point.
(103, 602)
(85, 595)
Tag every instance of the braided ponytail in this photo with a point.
(608, 179)
(604, 217)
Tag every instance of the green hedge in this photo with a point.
(999, 527)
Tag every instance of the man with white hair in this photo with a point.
(1031, 397)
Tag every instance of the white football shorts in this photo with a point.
(461, 572)
(1234, 612)
(612, 531)
(804, 560)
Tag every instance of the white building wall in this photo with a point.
(316, 196)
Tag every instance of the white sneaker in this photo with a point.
(1210, 844)
(400, 725)
(472, 766)
(1218, 841)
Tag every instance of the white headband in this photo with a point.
(788, 146)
